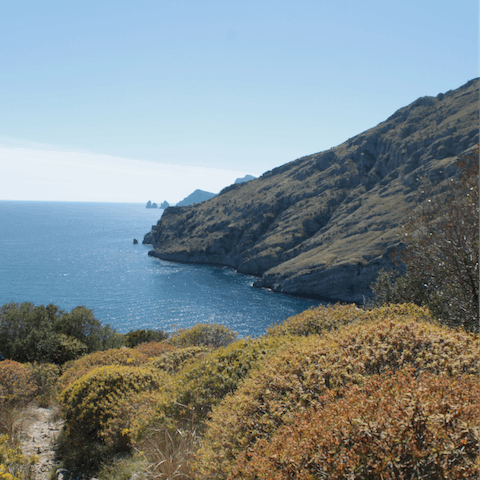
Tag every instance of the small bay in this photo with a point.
(72, 254)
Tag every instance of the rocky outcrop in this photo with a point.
(151, 205)
(325, 224)
(164, 205)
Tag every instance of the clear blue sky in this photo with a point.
(111, 100)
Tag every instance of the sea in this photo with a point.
(82, 254)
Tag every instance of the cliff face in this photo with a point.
(324, 224)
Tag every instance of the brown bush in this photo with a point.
(391, 427)
(154, 349)
(17, 384)
(299, 375)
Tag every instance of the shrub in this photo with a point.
(154, 349)
(17, 385)
(318, 320)
(137, 337)
(204, 335)
(115, 356)
(67, 348)
(391, 427)
(93, 402)
(45, 376)
(173, 361)
(297, 377)
(440, 259)
(13, 464)
(205, 382)
(26, 332)
(81, 324)
(47, 334)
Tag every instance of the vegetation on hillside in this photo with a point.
(47, 334)
(285, 405)
(440, 260)
(336, 392)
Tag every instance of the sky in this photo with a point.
(136, 100)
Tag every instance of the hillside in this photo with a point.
(325, 224)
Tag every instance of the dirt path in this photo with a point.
(39, 437)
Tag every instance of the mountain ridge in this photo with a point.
(324, 224)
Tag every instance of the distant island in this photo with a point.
(196, 197)
(246, 178)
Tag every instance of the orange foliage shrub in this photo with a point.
(17, 384)
(391, 427)
(154, 349)
(299, 375)
(115, 356)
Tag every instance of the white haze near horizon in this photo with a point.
(28, 174)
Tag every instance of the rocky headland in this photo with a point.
(325, 224)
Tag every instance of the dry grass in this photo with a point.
(13, 421)
(170, 454)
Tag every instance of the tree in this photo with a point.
(440, 258)
(41, 333)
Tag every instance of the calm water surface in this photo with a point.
(74, 254)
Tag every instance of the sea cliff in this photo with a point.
(324, 225)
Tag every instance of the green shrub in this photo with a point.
(297, 377)
(13, 464)
(137, 337)
(93, 401)
(31, 333)
(391, 427)
(204, 383)
(115, 356)
(45, 376)
(201, 384)
(81, 324)
(67, 348)
(204, 335)
(173, 361)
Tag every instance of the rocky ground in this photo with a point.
(39, 437)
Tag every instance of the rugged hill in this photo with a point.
(324, 224)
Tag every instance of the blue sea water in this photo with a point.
(73, 254)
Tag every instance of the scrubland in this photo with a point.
(335, 392)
